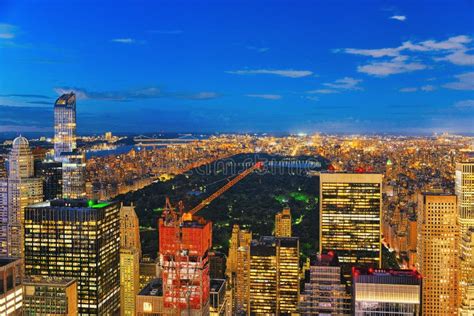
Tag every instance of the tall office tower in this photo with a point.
(11, 288)
(51, 173)
(387, 292)
(283, 223)
(3, 216)
(129, 259)
(238, 268)
(466, 286)
(23, 190)
(350, 212)
(288, 269)
(274, 275)
(438, 253)
(464, 189)
(184, 258)
(263, 277)
(77, 239)
(3, 166)
(325, 290)
(64, 125)
(20, 159)
(74, 175)
(50, 296)
(217, 264)
(149, 270)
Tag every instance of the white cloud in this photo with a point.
(459, 57)
(283, 73)
(465, 104)
(398, 17)
(7, 31)
(346, 83)
(465, 82)
(395, 66)
(428, 88)
(123, 40)
(323, 91)
(265, 96)
(409, 89)
(376, 53)
(312, 98)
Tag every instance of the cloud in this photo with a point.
(312, 98)
(258, 49)
(454, 49)
(290, 73)
(464, 81)
(346, 83)
(425, 88)
(409, 89)
(395, 66)
(323, 91)
(459, 58)
(265, 96)
(428, 88)
(398, 17)
(146, 93)
(7, 31)
(465, 104)
(39, 96)
(123, 40)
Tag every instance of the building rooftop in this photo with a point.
(67, 99)
(7, 260)
(72, 203)
(40, 280)
(386, 276)
(154, 288)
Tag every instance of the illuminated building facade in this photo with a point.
(274, 275)
(464, 189)
(149, 270)
(283, 223)
(130, 250)
(77, 239)
(438, 253)
(64, 125)
(350, 212)
(3, 216)
(263, 276)
(51, 173)
(185, 264)
(50, 296)
(11, 288)
(22, 190)
(325, 290)
(387, 292)
(238, 268)
(74, 175)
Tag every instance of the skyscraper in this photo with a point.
(23, 190)
(51, 173)
(387, 292)
(74, 175)
(350, 218)
(274, 275)
(129, 259)
(325, 290)
(184, 256)
(438, 253)
(464, 189)
(64, 125)
(283, 223)
(81, 240)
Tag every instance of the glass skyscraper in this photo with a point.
(77, 239)
(64, 124)
(350, 224)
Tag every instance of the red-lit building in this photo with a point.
(184, 256)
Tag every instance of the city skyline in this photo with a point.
(210, 67)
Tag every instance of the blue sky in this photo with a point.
(240, 66)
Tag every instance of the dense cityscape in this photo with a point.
(236, 158)
(394, 231)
